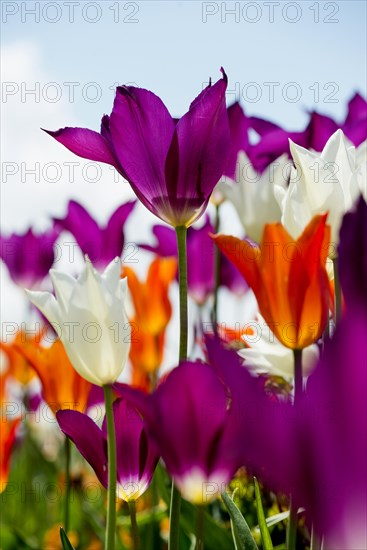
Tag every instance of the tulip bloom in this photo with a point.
(153, 312)
(288, 278)
(322, 182)
(101, 244)
(62, 386)
(17, 365)
(332, 479)
(199, 419)
(136, 454)
(8, 429)
(28, 257)
(275, 140)
(172, 165)
(89, 316)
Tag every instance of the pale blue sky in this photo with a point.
(172, 51)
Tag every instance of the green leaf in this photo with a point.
(241, 532)
(277, 518)
(265, 535)
(66, 544)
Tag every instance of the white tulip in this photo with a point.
(266, 355)
(252, 194)
(89, 317)
(322, 182)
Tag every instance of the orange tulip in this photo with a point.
(153, 312)
(288, 278)
(62, 386)
(153, 309)
(17, 365)
(8, 429)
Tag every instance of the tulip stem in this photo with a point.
(298, 377)
(200, 528)
(134, 525)
(67, 484)
(298, 389)
(181, 233)
(337, 292)
(112, 472)
(216, 271)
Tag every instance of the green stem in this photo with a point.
(134, 525)
(112, 472)
(298, 377)
(181, 234)
(200, 528)
(337, 292)
(216, 271)
(298, 389)
(67, 484)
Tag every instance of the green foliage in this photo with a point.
(242, 537)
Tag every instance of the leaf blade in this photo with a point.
(242, 536)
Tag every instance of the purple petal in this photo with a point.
(142, 129)
(190, 410)
(29, 257)
(334, 477)
(197, 156)
(262, 126)
(84, 229)
(113, 234)
(88, 439)
(355, 125)
(166, 242)
(86, 144)
(357, 109)
(319, 130)
(272, 145)
(135, 453)
(239, 125)
(353, 255)
(200, 267)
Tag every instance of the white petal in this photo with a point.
(47, 304)
(64, 285)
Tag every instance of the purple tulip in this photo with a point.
(275, 140)
(353, 255)
(136, 453)
(355, 124)
(29, 257)
(332, 444)
(200, 253)
(172, 165)
(101, 244)
(201, 417)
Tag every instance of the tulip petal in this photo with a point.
(353, 255)
(47, 304)
(202, 143)
(88, 439)
(113, 235)
(86, 144)
(84, 229)
(142, 129)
